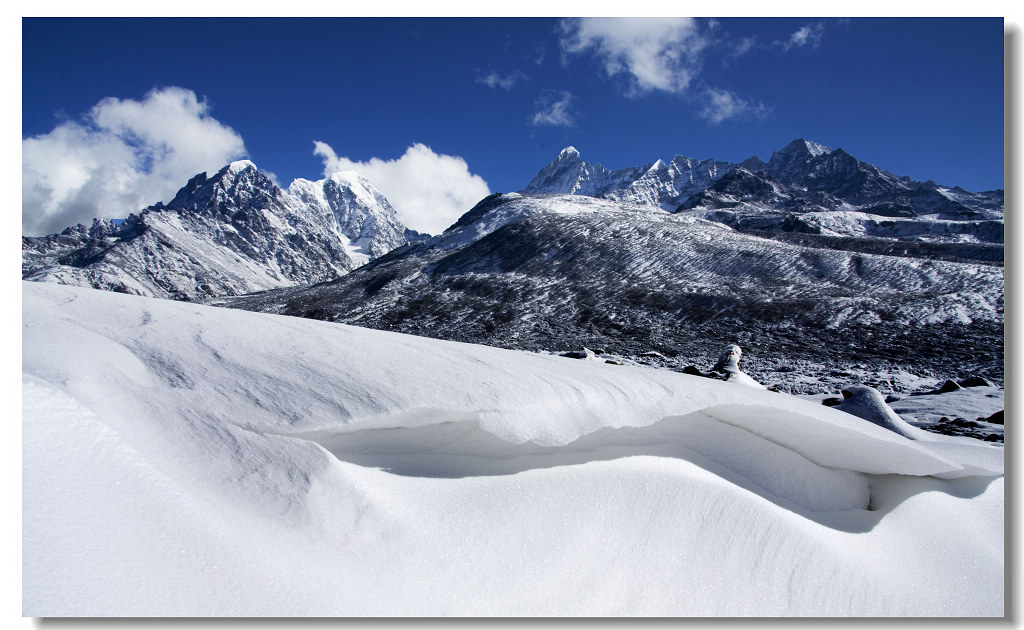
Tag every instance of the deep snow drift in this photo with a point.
(189, 460)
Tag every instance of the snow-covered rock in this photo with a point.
(729, 364)
(867, 403)
(184, 460)
(233, 233)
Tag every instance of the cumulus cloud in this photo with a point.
(429, 191)
(719, 105)
(809, 35)
(553, 109)
(654, 53)
(506, 82)
(122, 156)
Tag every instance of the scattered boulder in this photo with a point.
(729, 364)
(948, 386)
(892, 398)
(996, 418)
(585, 353)
(728, 359)
(832, 401)
(867, 403)
(974, 381)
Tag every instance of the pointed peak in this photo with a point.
(805, 146)
(569, 152)
(239, 165)
(232, 171)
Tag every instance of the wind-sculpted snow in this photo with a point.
(189, 460)
(233, 233)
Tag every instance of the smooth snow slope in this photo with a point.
(189, 460)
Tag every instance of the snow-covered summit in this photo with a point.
(801, 146)
(240, 165)
(569, 174)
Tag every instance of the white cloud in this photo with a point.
(722, 105)
(124, 155)
(656, 53)
(429, 191)
(742, 47)
(809, 35)
(506, 82)
(554, 109)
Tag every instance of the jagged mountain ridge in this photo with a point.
(556, 272)
(233, 233)
(660, 184)
(804, 187)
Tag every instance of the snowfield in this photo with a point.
(185, 460)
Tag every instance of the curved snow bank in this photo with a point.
(371, 473)
(459, 449)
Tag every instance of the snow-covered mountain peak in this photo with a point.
(569, 153)
(239, 165)
(794, 157)
(801, 146)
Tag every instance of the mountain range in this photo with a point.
(233, 233)
(804, 187)
(812, 261)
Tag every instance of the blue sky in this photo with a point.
(443, 109)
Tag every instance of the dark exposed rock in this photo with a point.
(974, 381)
(948, 386)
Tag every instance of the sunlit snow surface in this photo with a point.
(189, 460)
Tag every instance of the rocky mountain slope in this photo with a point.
(233, 233)
(557, 272)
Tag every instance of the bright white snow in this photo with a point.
(188, 460)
